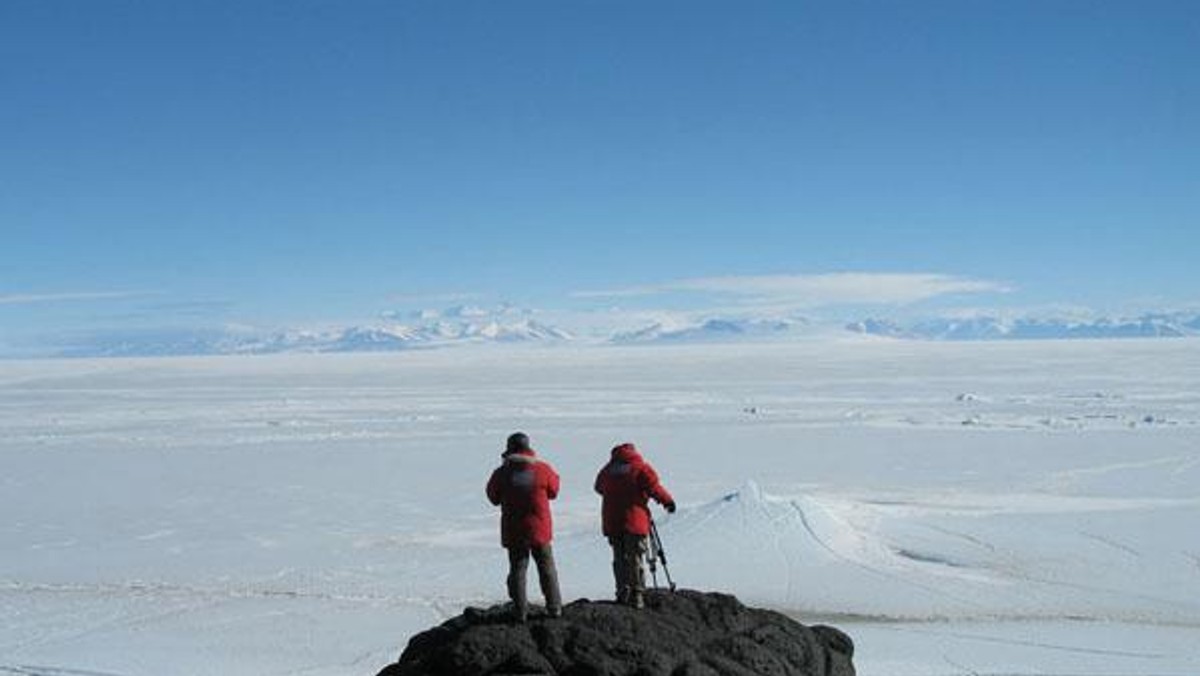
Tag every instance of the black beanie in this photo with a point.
(517, 441)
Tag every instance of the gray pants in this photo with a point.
(628, 551)
(518, 563)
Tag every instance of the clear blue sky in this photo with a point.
(287, 161)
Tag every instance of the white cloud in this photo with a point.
(839, 288)
(31, 298)
(628, 292)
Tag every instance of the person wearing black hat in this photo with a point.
(523, 487)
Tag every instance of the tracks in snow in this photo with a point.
(29, 670)
(152, 589)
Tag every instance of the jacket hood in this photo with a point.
(626, 452)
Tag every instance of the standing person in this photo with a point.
(523, 487)
(627, 482)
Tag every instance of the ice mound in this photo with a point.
(685, 633)
(936, 557)
(809, 554)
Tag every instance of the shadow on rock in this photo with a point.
(685, 633)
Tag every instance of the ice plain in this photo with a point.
(958, 508)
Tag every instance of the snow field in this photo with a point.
(986, 508)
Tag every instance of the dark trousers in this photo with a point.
(518, 563)
(628, 551)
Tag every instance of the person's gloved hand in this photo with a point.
(670, 507)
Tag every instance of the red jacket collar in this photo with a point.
(525, 455)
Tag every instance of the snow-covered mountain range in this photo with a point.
(1161, 325)
(381, 337)
(475, 326)
(1022, 328)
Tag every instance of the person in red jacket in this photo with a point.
(627, 483)
(523, 487)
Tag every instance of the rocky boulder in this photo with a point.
(683, 633)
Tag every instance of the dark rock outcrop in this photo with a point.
(685, 633)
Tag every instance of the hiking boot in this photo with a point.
(554, 611)
(637, 601)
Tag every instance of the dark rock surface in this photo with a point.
(685, 633)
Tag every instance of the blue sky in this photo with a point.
(169, 163)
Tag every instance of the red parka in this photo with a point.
(523, 487)
(627, 482)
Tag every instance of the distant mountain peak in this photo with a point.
(714, 329)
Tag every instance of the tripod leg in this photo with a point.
(657, 548)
